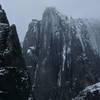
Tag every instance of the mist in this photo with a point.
(21, 12)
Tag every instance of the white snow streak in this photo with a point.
(64, 56)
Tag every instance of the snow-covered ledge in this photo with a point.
(89, 89)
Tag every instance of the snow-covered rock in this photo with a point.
(91, 92)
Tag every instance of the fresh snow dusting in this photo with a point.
(2, 71)
(28, 51)
(92, 88)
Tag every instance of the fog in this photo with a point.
(21, 12)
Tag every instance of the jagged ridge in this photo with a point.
(14, 79)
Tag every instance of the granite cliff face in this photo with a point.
(62, 55)
(14, 80)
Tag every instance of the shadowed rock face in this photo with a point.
(14, 80)
(14, 84)
(62, 55)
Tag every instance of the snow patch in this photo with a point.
(92, 88)
(32, 48)
(28, 51)
(3, 24)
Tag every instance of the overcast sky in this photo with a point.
(21, 12)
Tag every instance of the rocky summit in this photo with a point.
(14, 79)
(62, 55)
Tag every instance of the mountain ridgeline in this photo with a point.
(14, 79)
(62, 55)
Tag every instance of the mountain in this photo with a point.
(14, 79)
(62, 55)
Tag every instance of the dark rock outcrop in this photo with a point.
(62, 55)
(10, 48)
(14, 79)
(14, 84)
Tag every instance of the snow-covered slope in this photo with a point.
(91, 92)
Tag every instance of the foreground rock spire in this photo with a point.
(14, 80)
(3, 17)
